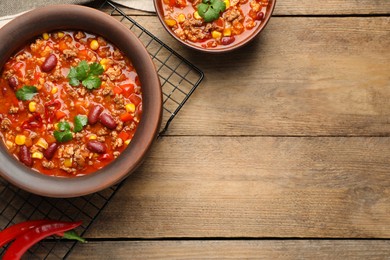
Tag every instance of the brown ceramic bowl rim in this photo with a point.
(158, 6)
(26, 27)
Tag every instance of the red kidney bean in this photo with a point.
(50, 151)
(260, 16)
(227, 40)
(50, 63)
(96, 147)
(13, 82)
(25, 156)
(107, 120)
(94, 113)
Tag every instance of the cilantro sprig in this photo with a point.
(86, 74)
(26, 93)
(210, 10)
(63, 134)
(79, 122)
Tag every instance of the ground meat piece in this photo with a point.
(80, 155)
(119, 126)
(81, 91)
(119, 101)
(114, 134)
(101, 139)
(193, 29)
(66, 151)
(79, 35)
(13, 110)
(71, 91)
(107, 91)
(180, 33)
(232, 14)
(113, 73)
(5, 124)
(56, 74)
(33, 135)
(35, 148)
(101, 41)
(68, 170)
(117, 143)
(117, 54)
(102, 132)
(48, 165)
(116, 154)
(255, 6)
(69, 53)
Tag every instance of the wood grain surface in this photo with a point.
(259, 249)
(255, 187)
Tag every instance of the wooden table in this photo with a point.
(283, 151)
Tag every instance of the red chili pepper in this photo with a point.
(33, 122)
(32, 236)
(16, 230)
(50, 108)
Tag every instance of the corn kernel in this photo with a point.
(104, 61)
(170, 22)
(60, 34)
(56, 127)
(130, 107)
(32, 106)
(68, 162)
(94, 45)
(216, 34)
(181, 18)
(197, 16)
(20, 139)
(45, 36)
(37, 155)
(104, 67)
(92, 137)
(9, 144)
(54, 90)
(227, 3)
(127, 141)
(42, 143)
(227, 32)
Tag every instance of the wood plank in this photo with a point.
(257, 249)
(301, 76)
(255, 187)
(309, 7)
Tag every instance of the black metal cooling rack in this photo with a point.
(179, 78)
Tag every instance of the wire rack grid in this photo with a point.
(179, 79)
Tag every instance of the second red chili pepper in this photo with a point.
(33, 235)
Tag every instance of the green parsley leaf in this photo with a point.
(210, 10)
(92, 82)
(86, 74)
(95, 69)
(63, 136)
(63, 126)
(79, 122)
(26, 92)
(82, 70)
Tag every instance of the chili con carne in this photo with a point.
(65, 97)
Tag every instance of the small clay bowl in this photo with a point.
(30, 25)
(240, 41)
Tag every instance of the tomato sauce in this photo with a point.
(71, 103)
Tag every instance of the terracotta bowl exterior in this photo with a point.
(25, 28)
(219, 49)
